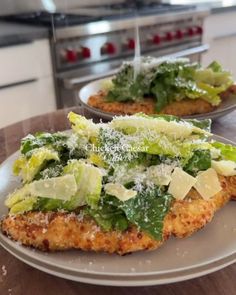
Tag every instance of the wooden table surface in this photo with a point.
(17, 278)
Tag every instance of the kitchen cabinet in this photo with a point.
(25, 100)
(26, 81)
(220, 34)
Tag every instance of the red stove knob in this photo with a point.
(169, 36)
(85, 52)
(156, 39)
(108, 48)
(131, 44)
(191, 32)
(199, 30)
(179, 34)
(71, 55)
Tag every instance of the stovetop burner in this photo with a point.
(143, 7)
(89, 14)
(46, 19)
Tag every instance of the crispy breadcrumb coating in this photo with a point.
(185, 107)
(53, 231)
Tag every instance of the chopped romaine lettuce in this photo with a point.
(23, 206)
(66, 145)
(89, 183)
(211, 93)
(168, 81)
(147, 210)
(109, 217)
(139, 124)
(46, 204)
(20, 200)
(129, 138)
(126, 88)
(200, 161)
(17, 196)
(214, 75)
(62, 187)
(224, 167)
(215, 66)
(41, 139)
(27, 168)
(107, 84)
(228, 152)
(82, 126)
(204, 124)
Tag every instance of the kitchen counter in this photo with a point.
(13, 33)
(17, 278)
(221, 6)
(212, 6)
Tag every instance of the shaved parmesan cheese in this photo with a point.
(181, 183)
(119, 191)
(208, 184)
(224, 167)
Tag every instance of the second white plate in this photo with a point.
(227, 105)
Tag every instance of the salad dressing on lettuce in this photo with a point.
(125, 172)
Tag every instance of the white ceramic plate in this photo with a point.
(206, 251)
(92, 88)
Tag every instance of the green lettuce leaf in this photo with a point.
(200, 161)
(28, 167)
(83, 127)
(170, 81)
(126, 88)
(204, 124)
(109, 217)
(67, 146)
(54, 141)
(89, 183)
(228, 151)
(146, 210)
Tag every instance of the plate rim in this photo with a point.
(86, 278)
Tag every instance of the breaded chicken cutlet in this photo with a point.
(174, 87)
(118, 187)
(53, 231)
(185, 107)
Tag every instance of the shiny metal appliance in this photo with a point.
(91, 42)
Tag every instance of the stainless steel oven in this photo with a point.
(89, 43)
(71, 82)
(95, 50)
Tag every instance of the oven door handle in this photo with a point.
(190, 51)
(73, 82)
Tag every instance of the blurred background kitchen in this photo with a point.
(49, 49)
